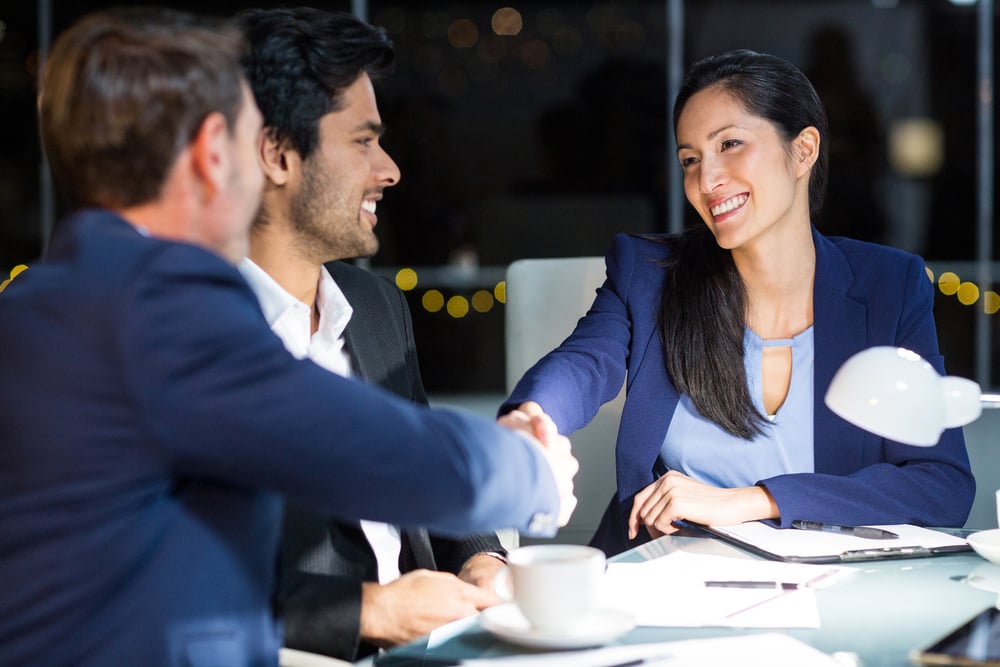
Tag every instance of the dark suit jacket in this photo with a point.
(324, 562)
(864, 295)
(150, 422)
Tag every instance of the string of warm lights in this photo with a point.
(482, 301)
(968, 293)
(433, 300)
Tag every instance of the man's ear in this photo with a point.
(277, 160)
(805, 149)
(210, 155)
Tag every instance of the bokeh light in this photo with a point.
(432, 301)
(492, 49)
(991, 302)
(406, 279)
(948, 283)
(535, 54)
(463, 34)
(968, 293)
(13, 274)
(500, 291)
(482, 301)
(458, 307)
(507, 22)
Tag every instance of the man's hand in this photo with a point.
(481, 570)
(531, 421)
(415, 604)
(676, 496)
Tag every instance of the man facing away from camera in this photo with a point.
(152, 421)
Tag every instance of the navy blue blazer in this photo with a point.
(150, 419)
(864, 295)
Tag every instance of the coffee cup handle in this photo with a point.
(501, 584)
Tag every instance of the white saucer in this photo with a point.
(507, 622)
(987, 544)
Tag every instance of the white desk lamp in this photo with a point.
(895, 393)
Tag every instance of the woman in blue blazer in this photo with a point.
(727, 336)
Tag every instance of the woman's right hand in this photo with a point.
(530, 420)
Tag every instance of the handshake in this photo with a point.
(531, 421)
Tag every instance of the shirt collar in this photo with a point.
(278, 306)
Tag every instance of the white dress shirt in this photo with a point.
(291, 320)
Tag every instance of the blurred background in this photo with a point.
(541, 129)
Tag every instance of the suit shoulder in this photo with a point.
(644, 254)
(878, 262)
(644, 247)
(876, 268)
(867, 253)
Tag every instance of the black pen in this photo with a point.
(642, 661)
(780, 585)
(866, 532)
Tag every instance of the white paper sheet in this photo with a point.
(671, 591)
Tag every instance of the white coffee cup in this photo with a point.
(556, 586)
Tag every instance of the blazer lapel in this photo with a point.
(415, 551)
(645, 419)
(361, 344)
(840, 330)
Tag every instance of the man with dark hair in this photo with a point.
(341, 588)
(151, 419)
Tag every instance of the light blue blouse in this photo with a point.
(700, 449)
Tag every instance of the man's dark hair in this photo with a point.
(125, 91)
(301, 60)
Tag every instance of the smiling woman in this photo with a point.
(730, 333)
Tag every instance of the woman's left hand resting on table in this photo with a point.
(676, 496)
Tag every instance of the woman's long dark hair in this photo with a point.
(703, 313)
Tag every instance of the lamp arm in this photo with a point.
(990, 400)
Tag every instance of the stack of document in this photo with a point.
(694, 590)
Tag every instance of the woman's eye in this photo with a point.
(730, 143)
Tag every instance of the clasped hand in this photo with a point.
(529, 419)
(675, 496)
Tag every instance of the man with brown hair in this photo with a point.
(151, 420)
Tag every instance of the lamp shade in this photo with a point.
(897, 394)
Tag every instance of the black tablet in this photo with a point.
(976, 642)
